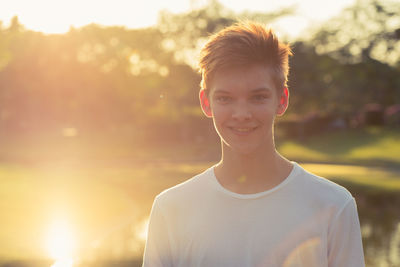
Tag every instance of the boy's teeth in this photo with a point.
(242, 129)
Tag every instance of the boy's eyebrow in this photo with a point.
(221, 91)
(257, 90)
(262, 89)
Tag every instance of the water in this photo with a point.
(380, 226)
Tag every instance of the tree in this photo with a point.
(368, 30)
(185, 33)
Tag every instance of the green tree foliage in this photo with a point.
(368, 30)
(352, 60)
(186, 33)
(102, 78)
(92, 77)
(143, 82)
(322, 83)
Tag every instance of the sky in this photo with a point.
(56, 16)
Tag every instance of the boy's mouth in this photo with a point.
(242, 130)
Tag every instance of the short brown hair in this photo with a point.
(244, 44)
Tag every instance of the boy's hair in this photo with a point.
(244, 44)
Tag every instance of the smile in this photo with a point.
(242, 130)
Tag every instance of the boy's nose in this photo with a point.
(241, 112)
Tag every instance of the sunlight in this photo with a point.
(141, 229)
(58, 16)
(394, 250)
(60, 243)
(289, 26)
(69, 132)
(304, 253)
(63, 263)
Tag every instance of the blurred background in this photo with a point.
(99, 113)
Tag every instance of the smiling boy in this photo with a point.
(254, 207)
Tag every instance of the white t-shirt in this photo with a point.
(304, 221)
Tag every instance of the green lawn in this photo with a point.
(369, 178)
(372, 147)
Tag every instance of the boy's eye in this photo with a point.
(222, 99)
(259, 97)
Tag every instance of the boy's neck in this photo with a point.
(251, 173)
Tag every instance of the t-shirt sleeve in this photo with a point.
(344, 238)
(157, 250)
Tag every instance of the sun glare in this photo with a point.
(141, 230)
(51, 16)
(60, 242)
(63, 263)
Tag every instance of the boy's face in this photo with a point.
(243, 103)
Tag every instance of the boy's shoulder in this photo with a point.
(189, 188)
(317, 188)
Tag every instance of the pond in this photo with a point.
(111, 207)
(379, 215)
(380, 227)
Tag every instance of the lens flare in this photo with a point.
(60, 241)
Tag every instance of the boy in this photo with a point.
(253, 208)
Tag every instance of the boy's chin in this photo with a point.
(242, 150)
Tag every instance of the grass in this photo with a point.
(370, 178)
(371, 146)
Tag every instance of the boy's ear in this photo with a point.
(283, 102)
(205, 103)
